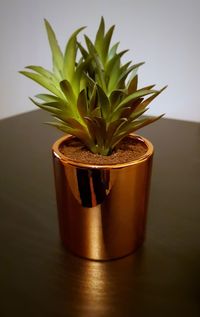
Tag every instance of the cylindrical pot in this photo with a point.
(102, 208)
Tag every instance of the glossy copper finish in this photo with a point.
(102, 209)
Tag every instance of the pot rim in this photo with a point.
(66, 161)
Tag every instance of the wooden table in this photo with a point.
(38, 277)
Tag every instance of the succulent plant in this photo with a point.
(94, 97)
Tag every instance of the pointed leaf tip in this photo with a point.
(164, 88)
(70, 55)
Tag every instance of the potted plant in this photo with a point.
(102, 170)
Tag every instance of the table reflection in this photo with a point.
(97, 287)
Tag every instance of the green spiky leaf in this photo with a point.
(44, 72)
(57, 55)
(145, 103)
(100, 36)
(70, 55)
(47, 97)
(68, 91)
(135, 95)
(103, 102)
(113, 51)
(106, 44)
(82, 103)
(45, 82)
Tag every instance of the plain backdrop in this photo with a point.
(164, 34)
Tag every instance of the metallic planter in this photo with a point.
(102, 208)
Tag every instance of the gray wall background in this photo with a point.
(164, 34)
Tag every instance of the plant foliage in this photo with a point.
(95, 97)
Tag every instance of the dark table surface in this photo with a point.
(38, 277)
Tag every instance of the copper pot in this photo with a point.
(102, 208)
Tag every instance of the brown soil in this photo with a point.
(128, 150)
